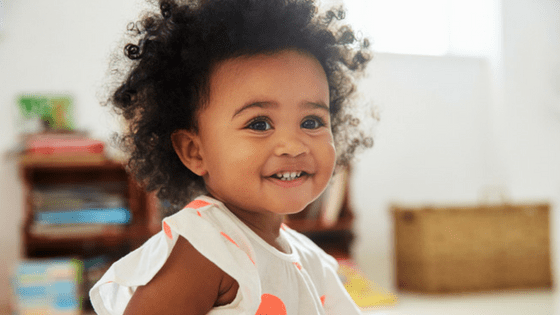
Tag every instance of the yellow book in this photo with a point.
(363, 291)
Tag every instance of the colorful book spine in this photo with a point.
(54, 145)
(47, 287)
(85, 216)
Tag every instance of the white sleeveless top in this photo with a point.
(270, 282)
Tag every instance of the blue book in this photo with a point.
(47, 287)
(85, 216)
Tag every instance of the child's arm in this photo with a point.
(188, 283)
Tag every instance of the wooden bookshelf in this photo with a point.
(112, 238)
(88, 241)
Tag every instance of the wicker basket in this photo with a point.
(486, 247)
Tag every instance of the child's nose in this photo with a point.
(290, 144)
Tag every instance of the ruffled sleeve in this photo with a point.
(211, 233)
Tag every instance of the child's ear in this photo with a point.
(187, 147)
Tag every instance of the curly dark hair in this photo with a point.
(167, 79)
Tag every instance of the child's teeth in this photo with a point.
(288, 175)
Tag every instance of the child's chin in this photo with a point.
(288, 208)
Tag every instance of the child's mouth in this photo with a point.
(288, 176)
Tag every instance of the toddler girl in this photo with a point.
(235, 107)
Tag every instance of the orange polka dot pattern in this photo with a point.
(195, 204)
(271, 305)
(167, 230)
(234, 243)
(229, 238)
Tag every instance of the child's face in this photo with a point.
(267, 115)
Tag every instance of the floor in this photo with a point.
(538, 302)
(534, 302)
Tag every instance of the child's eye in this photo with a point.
(259, 124)
(312, 123)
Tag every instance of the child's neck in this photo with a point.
(265, 225)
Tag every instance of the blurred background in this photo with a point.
(468, 94)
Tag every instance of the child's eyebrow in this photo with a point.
(319, 105)
(312, 105)
(254, 104)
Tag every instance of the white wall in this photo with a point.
(52, 47)
(528, 119)
(451, 127)
(432, 145)
(447, 127)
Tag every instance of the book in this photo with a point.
(57, 159)
(78, 196)
(54, 146)
(62, 143)
(47, 286)
(54, 231)
(333, 199)
(363, 291)
(62, 148)
(84, 216)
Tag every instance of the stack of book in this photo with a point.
(49, 286)
(56, 147)
(78, 209)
